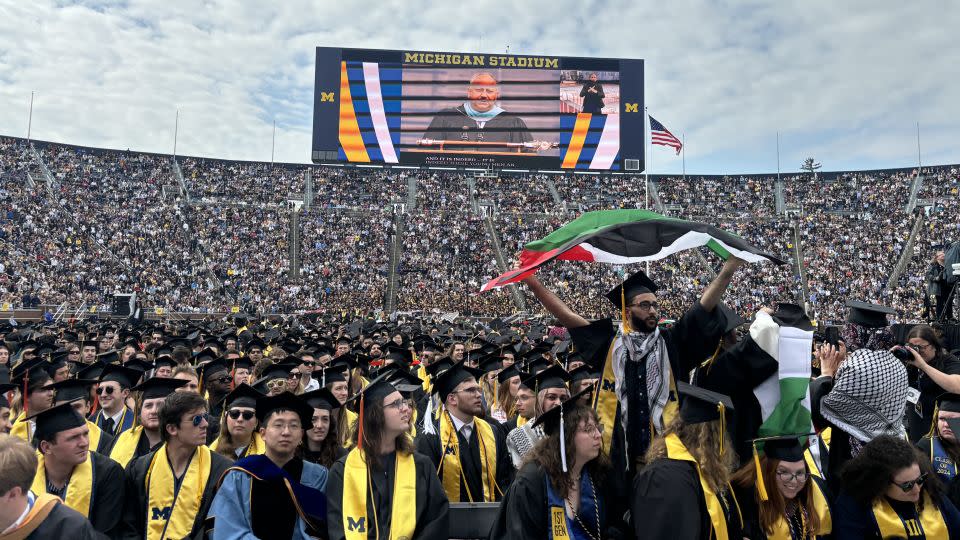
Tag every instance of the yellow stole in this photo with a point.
(126, 446)
(21, 428)
(450, 445)
(171, 515)
(676, 450)
(781, 530)
(346, 430)
(425, 379)
(521, 421)
(79, 488)
(891, 525)
(95, 433)
(42, 506)
(255, 448)
(356, 485)
(605, 401)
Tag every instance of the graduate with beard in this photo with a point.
(25, 515)
(169, 491)
(382, 489)
(641, 363)
(88, 482)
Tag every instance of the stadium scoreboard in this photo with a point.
(472, 110)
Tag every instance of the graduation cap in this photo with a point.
(446, 381)
(373, 392)
(638, 283)
(328, 375)
(159, 387)
(278, 371)
(732, 320)
(164, 360)
(243, 395)
(241, 362)
(140, 365)
(321, 398)
(779, 447)
(255, 343)
(552, 421)
(178, 343)
(123, 376)
(508, 373)
(57, 361)
(285, 401)
(552, 377)
(399, 354)
(205, 355)
(4, 388)
(30, 374)
(72, 389)
(109, 357)
(405, 382)
(583, 372)
(56, 419)
(869, 315)
(93, 371)
(792, 315)
(213, 367)
(698, 405)
(490, 362)
(439, 365)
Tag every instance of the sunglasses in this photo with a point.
(276, 383)
(74, 352)
(293, 375)
(237, 413)
(198, 419)
(105, 390)
(223, 380)
(907, 486)
(309, 363)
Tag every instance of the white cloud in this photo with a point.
(843, 81)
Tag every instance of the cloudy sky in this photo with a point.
(844, 82)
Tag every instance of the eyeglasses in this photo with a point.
(108, 390)
(237, 413)
(646, 306)
(280, 426)
(475, 391)
(589, 429)
(920, 348)
(787, 476)
(907, 486)
(399, 404)
(199, 419)
(223, 380)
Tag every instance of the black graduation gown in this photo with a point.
(692, 339)
(134, 523)
(108, 494)
(431, 505)
(668, 502)
(453, 124)
(524, 512)
(470, 461)
(65, 522)
(106, 443)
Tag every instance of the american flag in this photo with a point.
(660, 135)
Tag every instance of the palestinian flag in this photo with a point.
(624, 237)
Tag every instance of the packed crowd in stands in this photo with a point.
(114, 221)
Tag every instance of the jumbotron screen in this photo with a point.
(467, 110)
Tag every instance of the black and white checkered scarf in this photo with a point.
(869, 395)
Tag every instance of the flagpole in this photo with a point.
(919, 163)
(646, 168)
(273, 141)
(176, 130)
(683, 154)
(30, 119)
(778, 155)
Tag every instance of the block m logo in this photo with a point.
(161, 513)
(326, 96)
(356, 525)
(631, 107)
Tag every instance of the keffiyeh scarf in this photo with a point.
(868, 396)
(650, 348)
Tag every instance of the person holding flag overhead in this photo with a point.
(86, 481)
(641, 363)
(275, 494)
(469, 454)
(688, 474)
(779, 496)
(145, 436)
(382, 489)
(169, 491)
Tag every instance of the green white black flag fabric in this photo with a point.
(625, 237)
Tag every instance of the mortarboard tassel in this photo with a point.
(26, 381)
(761, 487)
(723, 424)
(933, 425)
(360, 425)
(623, 311)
